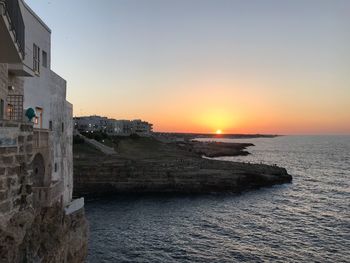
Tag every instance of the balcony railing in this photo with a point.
(14, 107)
(47, 196)
(14, 14)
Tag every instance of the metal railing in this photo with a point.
(13, 12)
(14, 110)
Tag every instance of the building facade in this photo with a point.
(36, 162)
(112, 127)
(45, 92)
(28, 85)
(141, 128)
(91, 123)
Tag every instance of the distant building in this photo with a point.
(141, 128)
(91, 123)
(112, 126)
(119, 127)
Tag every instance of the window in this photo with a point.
(39, 117)
(10, 111)
(14, 107)
(50, 125)
(44, 59)
(36, 59)
(62, 127)
(56, 167)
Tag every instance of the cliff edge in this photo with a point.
(145, 165)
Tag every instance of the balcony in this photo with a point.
(47, 196)
(14, 110)
(12, 32)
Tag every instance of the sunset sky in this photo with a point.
(200, 65)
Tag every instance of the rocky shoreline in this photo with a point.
(183, 176)
(215, 149)
(96, 174)
(44, 235)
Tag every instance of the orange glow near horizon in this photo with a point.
(236, 66)
(233, 110)
(232, 103)
(202, 98)
(250, 125)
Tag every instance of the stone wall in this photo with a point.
(30, 233)
(15, 171)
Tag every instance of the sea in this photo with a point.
(307, 220)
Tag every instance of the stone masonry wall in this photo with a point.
(15, 172)
(28, 233)
(15, 186)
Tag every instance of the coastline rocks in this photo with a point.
(215, 149)
(44, 235)
(192, 175)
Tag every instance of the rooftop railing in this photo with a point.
(13, 12)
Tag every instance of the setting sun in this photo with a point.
(218, 132)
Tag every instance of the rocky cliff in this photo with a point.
(182, 176)
(44, 235)
(96, 174)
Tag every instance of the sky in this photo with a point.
(271, 66)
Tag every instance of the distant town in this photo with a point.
(91, 124)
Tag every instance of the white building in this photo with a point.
(119, 127)
(33, 85)
(115, 127)
(91, 123)
(141, 128)
(46, 93)
(112, 126)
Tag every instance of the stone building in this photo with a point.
(36, 129)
